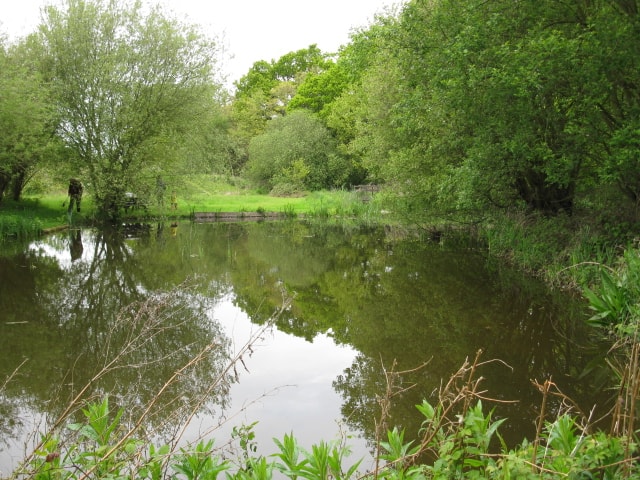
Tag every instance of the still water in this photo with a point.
(290, 324)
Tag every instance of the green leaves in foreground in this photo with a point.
(616, 301)
(456, 447)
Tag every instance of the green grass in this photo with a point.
(195, 193)
(246, 202)
(31, 216)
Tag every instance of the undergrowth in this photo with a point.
(454, 442)
(459, 438)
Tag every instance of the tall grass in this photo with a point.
(14, 226)
(345, 205)
(29, 217)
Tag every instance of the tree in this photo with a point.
(296, 150)
(499, 104)
(26, 119)
(615, 48)
(260, 77)
(293, 67)
(358, 97)
(125, 81)
(267, 89)
(318, 90)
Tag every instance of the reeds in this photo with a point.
(19, 227)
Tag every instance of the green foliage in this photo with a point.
(325, 460)
(99, 446)
(99, 427)
(289, 211)
(458, 442)
(26, 119)
(266, 90)
(20, 227)
(149, 81)
(264, 76)
(154, 467)
(247, 439)
(476, 106)
(259, 78)
(359, 113)
(616, 300)
(199, 462)
(318, 90)
(296, 150)
(289, 455)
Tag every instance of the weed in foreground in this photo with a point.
(456, 435)
(454, 441)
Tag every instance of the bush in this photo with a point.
(459, 443)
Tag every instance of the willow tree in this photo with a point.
(126, 80)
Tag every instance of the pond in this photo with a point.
(292, 325)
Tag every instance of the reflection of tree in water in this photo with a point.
(388, 299)
(537, 335)
(23, 274)
(136, 350)
(412, 304)
(146, 345)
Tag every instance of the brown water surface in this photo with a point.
(150, 298)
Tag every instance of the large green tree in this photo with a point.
(358, 110)
(267, 89)
(532, 105)
(126, 79)
(614, 42)
(26, 118)
(296, 151)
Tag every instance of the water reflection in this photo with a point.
(75, 244)
(360, 295)
(91, 325)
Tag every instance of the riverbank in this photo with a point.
(200, 198)
(565, 251)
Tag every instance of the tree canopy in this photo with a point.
(457, 106)
(125, 80)
(296, 151)
(26, 119)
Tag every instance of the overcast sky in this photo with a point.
(251, 29)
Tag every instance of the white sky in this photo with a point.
(252, 29)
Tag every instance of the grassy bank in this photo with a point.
(565, 251)
(31, 216)
(39, 212)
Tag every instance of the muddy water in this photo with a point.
(327, 311)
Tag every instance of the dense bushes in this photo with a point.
(296, 151)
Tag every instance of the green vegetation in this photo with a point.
(38, 212)
(456, 432)
(29, 217)
(522, 123)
